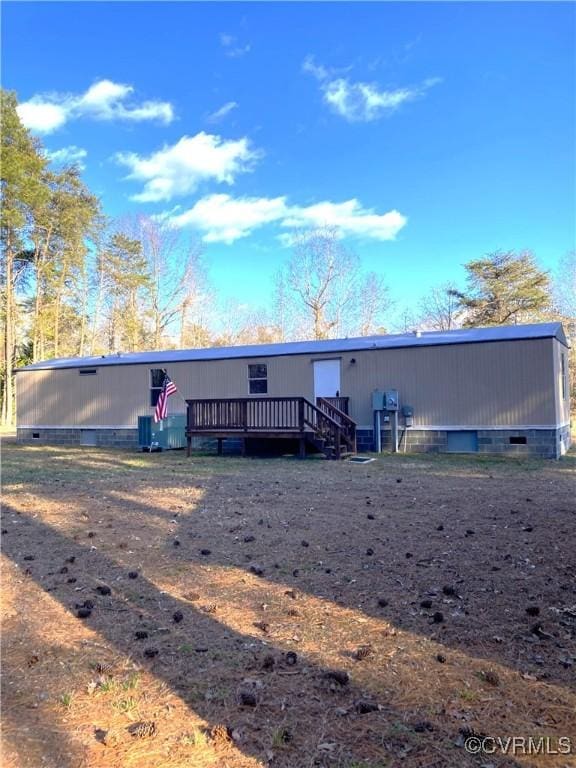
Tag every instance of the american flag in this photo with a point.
(168, 388)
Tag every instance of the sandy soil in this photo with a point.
(291, 613)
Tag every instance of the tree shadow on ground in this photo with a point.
(204, 653)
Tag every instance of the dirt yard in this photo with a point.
(160, 612)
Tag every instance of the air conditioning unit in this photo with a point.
(151, 437)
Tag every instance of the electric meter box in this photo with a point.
(391, 400)
(377, 400)
(408, 413)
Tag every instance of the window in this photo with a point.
(564, 376)
(87, 371)
(35, 435)
(520, 440)
(156, 382)
(258, 379)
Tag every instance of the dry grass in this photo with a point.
(74, 690)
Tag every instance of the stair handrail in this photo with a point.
(324, 421)
(348, 425)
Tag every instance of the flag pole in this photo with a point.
(178, 391)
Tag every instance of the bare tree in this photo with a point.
(440, 309)
(243, 324)
(564, 287)
(175, 276)
(322, 278)
(283, 308)
(406, 322)
(564, 309)
(373, 304)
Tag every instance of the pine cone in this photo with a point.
(143, 730)
(363, 652)
(210, 608)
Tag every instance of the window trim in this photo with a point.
(564, 375)
(153, 388)
(257, 378)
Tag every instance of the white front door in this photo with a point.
(326, 378)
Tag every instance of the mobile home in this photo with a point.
(486, 390)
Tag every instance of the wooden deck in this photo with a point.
(322, 425)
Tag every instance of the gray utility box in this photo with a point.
(164, 435)
(408, 413)
(391, 401)
(377, 400)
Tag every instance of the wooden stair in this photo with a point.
(335, 432)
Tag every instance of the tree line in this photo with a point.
(75, 284)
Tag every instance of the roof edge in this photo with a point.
(327, 346)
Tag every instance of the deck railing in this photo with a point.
(245, 414)
(338, 402)
(278, 416)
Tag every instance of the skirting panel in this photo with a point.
(543, 443)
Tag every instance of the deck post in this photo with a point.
(188, 435)
(301, 414)
(220, 441)
(302, 448)
(243, 446)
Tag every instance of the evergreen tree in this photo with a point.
(125, 277)
(22, 190)
(504, 288)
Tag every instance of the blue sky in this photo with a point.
(429, 133)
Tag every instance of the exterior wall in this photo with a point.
(541, 443)
(562, 394)
(487, 384)
(493, 384)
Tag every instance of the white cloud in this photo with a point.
(318, 70)
(220, 114)
(105, 100)
(350, 218)
(67, 156)
(363, 102)
(101, 97)
(40, 116)
(232, 47)
(178, 169)
(222, 218)
(358, 101)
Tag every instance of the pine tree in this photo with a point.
(504, 288)
(22, 190)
